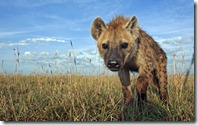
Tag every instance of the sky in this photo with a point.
(53, 36)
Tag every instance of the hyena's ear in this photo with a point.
(133, 27)
(97, 27)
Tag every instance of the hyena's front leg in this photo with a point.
(126, 89)
(126, 86)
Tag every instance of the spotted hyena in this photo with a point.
(125, 47)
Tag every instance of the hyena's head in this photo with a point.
(116, 41)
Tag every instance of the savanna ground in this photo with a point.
(89, 98)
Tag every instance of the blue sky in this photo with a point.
(41, 30)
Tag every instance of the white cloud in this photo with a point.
(10, 44)
(45, 53)
(17, 44)
(31, 40)
(177, 41)
(45, 39)
(27, 53)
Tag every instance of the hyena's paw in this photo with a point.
(128, 101)
(164, 98)
(128, 98)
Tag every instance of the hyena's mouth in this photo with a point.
(113, 65)
(113, 69)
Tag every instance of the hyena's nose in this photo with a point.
(113, 64)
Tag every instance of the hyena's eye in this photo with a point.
(105, 46)
(124, 45)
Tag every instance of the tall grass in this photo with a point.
(87, 98)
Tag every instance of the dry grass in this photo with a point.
(88, 98)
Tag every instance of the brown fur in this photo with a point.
(126, 47)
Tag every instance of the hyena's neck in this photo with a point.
(141, 50)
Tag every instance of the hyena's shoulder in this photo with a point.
(149, 51)
(147, 43)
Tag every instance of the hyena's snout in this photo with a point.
(113, 60)
(113, 64)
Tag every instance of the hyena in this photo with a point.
(125, 47)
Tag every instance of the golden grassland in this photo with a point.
(89, 98)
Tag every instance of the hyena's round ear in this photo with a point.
(97, 27)
(133, 27)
